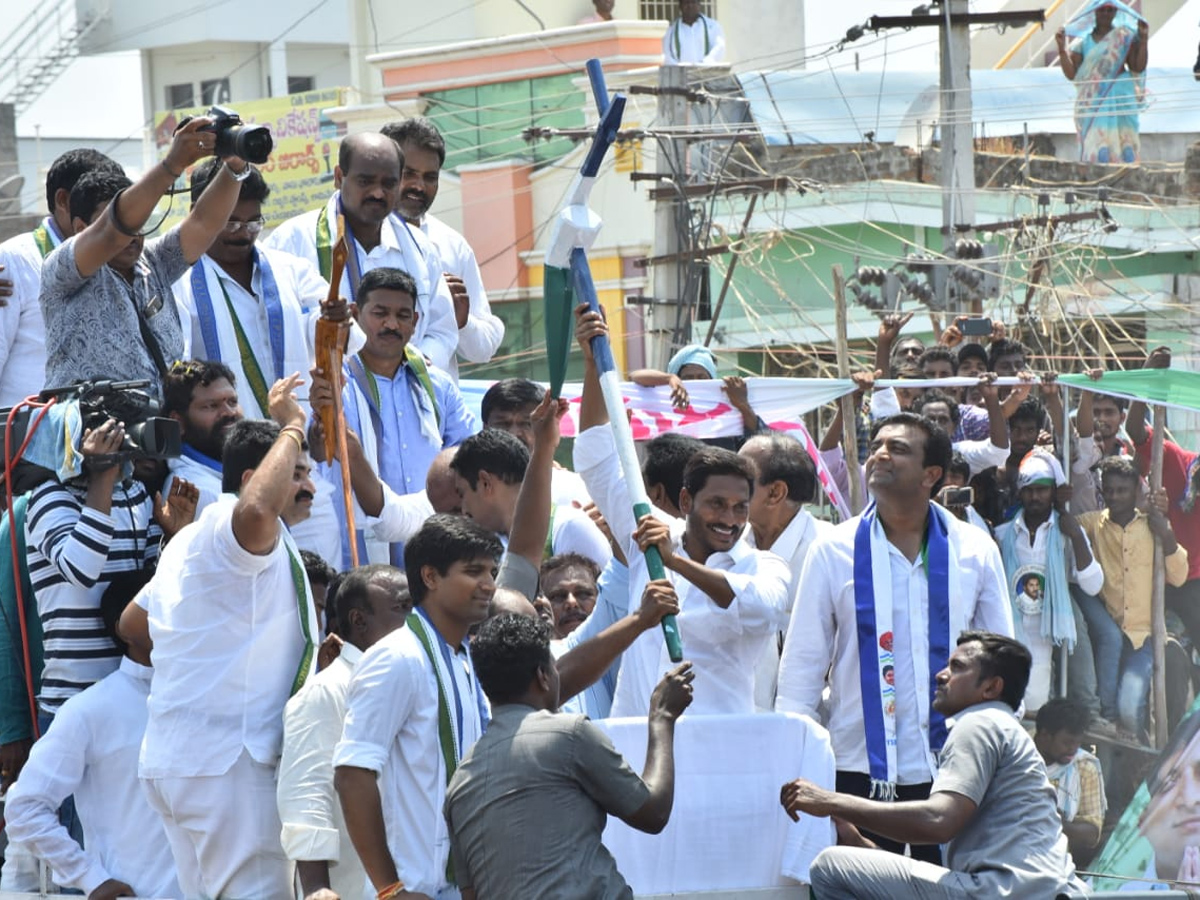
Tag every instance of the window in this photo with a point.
(486, 122)
(669, 9)
(180, 96)
(301, 84)
(214, 91)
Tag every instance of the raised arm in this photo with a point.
(531, 518)
(889, 330)
(211, 212)
(586, 663)
(1139, 50)
(656, 533)
(592, 411)
(672, 696)
(1067, 61)
(270, 487)
(1135, 419)
(106, 237)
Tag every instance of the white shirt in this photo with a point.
(402, 247)
(1090, 579)
(823, 633)
(981, 454)
(314, 828)
(702, 42)
(566, 487)
(480, 338)
(301, 290)
(91, 751)
(401, 517)
(724, 644)
(791, 546)
(227, 646)
(22, 329)
(206, 479)
(392, 729)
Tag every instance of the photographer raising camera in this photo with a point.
(106, 292)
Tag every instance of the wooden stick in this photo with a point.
(1158, 620)
(849, 425)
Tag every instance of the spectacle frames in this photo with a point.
(254, 226)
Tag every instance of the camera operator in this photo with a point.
(82, 535)
(105, 293)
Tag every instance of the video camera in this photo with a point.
(253, 143)
(147, 434)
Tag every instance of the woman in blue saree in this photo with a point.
(1107, 61)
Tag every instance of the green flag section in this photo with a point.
(1163, 387)
(560, 324)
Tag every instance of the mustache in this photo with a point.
(390, 332)
(304, 495)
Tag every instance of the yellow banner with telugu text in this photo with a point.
(300, 170)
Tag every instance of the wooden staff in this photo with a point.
(333, 337)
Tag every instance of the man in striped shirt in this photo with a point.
(81, 536)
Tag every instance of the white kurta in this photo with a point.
(91, 752)
(314, 828)
(480, 338)
(401, 246)
(392, 729)
(724, 644)
(216, 608)
(22, 329)
(301, 290)
(702, 42)
(791, 546)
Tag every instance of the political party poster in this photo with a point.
(300, 170)
(1158, 836)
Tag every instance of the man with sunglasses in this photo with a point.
(255, 310)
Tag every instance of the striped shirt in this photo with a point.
(74, 551)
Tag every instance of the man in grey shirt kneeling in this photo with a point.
(990, 802)
(527, 806)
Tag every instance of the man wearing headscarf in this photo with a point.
(1032, 546)
(695, 362)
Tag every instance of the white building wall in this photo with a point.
(247, 65)
(147, 24)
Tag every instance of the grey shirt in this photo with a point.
(92, 323)
(527, 807)
(1014, 844)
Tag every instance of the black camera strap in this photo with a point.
(149, 339)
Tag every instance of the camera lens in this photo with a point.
(252, 143)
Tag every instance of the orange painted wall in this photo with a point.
(497, 204)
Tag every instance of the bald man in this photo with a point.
(367, 178)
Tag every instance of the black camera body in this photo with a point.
(252, 143)
(147, 434)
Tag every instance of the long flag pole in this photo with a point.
(568, 279)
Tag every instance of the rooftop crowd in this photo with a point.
(225, 707)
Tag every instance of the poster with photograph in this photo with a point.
(1158, 836)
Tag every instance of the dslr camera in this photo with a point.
(252, 143)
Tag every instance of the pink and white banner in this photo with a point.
(780, 402)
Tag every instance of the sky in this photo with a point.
(101, 96)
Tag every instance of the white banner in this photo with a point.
(780, 402)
